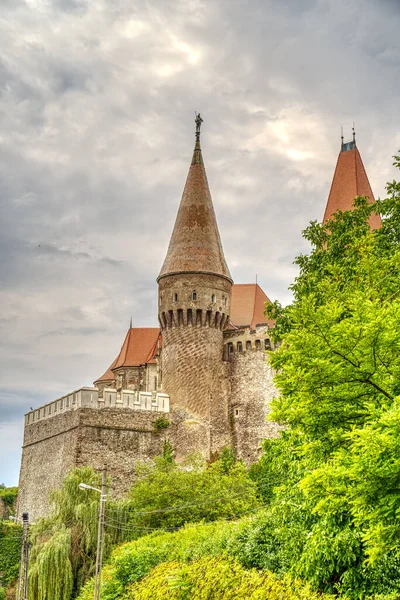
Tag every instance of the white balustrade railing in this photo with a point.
(87, 397)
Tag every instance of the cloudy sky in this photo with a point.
(97, 101)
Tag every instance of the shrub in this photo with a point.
(134, 560)
(212, 578)
(9, 495)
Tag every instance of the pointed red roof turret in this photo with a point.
(195, 245)
(349, 181)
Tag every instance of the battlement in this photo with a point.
(244, 339)
(88, 397)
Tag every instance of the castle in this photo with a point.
(201, 380)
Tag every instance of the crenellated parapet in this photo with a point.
(245, 339)
(87, 397)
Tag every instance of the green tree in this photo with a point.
(338, 374)
(167, 494)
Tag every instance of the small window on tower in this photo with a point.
(213, 298)
(175, 297)
(194, 295)
(160, 300)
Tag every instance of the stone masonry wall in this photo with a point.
(252, 389)
(118, 438)
(193, 313)
(48, 452)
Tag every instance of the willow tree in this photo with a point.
(64, 543)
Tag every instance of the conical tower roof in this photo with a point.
(195, 245)
(349, 181)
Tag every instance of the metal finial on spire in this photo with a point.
(130, 324)
(354, 133)
(198, 120)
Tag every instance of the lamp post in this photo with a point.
(22, 593)
(100, 532)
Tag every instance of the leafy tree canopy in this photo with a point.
(167, 494)
(338, 374)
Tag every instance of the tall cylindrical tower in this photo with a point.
(194, 301)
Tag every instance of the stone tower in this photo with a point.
(194, 307)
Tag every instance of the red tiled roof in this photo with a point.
(139, 347)
(349, 181)
(248, 305)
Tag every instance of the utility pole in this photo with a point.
(24, 564)
(100, 536)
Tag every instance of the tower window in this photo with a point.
(248, 345)
(194, 295)
(230, 347)
(160, 300)
(267, 344)
(240, 347)
(175, 297)
(213, 298)
(258, 344)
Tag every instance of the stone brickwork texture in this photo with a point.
(115, 437)
(252, 389)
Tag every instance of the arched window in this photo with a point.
(175, 297)
(213, 298)
(239, 347)
(194, 295)
(230, 348)
(258, 344)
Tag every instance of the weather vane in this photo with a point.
(198, 120)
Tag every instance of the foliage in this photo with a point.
(167, 495)
(160, 423)
(3, 594)
(9, 495)
(132, 561)
(10, 551)
(215, 578)
(338, 374)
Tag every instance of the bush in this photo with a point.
(134, 560)
(212, 578)
(10, 551)
(9, 495)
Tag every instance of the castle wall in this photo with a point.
(48, 452)
(116, 437)
(252, 390)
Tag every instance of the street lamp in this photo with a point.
(100, 532)
(85, 486)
